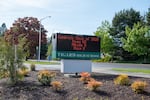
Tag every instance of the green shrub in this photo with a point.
(105, 59)
(122, 80)
(45, 77)
(32, 67)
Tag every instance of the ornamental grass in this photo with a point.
(46, 76)
(57, 86)
(94, 85)
(122, 79)
(85, 77)
(139, 86)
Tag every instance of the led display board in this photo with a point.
(71, 46)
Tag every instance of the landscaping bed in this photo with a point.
(73, 89)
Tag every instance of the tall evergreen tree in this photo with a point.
(148, 17)
(122, 19)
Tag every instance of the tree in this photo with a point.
(27, 27)
(148, 17)
(120, 21)
(137, 40)
(9, 62)
(44, 49)
(49, 51)
(107, 46)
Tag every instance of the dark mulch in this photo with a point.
(31, 89)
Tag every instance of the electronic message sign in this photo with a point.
(70, 46)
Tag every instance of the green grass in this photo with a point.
(41, 62)
(130, 62)
(146, 71)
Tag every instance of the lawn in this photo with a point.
(146, 71)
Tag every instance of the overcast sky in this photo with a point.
(70, 16)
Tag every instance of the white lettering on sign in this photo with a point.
(65, 54)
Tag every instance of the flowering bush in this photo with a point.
(122, 80)
(93, 85)
(45, 76)
(85, 77)
(138, 86)
(57, 86)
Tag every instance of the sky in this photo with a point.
(68, 16)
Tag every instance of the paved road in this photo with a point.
(105, 68)
(120, 65)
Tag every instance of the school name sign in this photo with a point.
(69, 46)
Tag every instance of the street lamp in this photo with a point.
(40, 36)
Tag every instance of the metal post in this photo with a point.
(39, 49)
(15, 53)
(40, 33)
